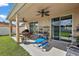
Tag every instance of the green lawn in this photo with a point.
(65, 34)
(9, 47)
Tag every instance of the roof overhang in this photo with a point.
(14, 10)
(29, 10)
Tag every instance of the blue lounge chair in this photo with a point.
(39, 40)
(43, 44)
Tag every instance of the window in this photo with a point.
(61, 27)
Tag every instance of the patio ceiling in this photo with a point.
(29, 11)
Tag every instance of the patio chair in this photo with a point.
(25, 35)
(72, 51)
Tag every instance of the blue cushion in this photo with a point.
(40, 40)
(43, 44)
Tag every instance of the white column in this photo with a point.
(10, 28)
(17, 29)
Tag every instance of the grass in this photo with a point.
(9, 47)
(65, 34)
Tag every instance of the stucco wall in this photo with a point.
(45, 22)
(75, 21)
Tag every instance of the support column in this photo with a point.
(10, 28)
(17, 28)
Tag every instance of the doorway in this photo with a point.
(33, 27)
(55, 28)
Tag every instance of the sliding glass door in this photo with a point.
(61, 28)
(55, 28)
(66, 27)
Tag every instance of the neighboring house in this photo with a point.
(4, 28)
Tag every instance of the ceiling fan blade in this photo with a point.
(47, 11)
(39, 11)
(46, 14)
(24, 20)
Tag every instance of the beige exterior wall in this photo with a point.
(46, 21)
(75, 21)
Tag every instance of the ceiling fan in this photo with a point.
(43, 12)
(23, 20)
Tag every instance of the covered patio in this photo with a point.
(28, 13)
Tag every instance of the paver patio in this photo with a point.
(36, 51)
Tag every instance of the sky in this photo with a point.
(63, 22)
(4, 11)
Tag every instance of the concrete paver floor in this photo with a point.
(36, 51)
